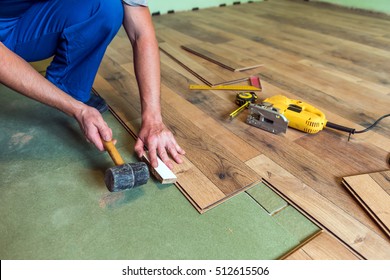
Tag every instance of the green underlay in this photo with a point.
(54, 204)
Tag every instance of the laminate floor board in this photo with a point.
(241, 149)
(369, 85)
(122, 82)
(326, 24)
(323, 48)
(337, 14)
(373, 193)
(382, 179)
(353, 157)
(187, 26)
(225, 170)
(248, 31)
(322, 247)
(171, 36)
(363, 240)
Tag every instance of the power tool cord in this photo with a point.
(373, 125)
(352, 130)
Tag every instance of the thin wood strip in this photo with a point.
(211, 53)
(190, 65)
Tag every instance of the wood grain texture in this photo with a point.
(322, 247)
(322, 55)
(201, 72)
(372, 191)
(221, 56)
(366, 242)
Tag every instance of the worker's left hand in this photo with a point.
(160, 141)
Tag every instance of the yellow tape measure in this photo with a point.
(225, 87)
(243, 100)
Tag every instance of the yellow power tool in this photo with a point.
(274, 114)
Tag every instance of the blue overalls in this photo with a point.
(76, 32)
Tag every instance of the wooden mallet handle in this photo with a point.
(113, 152)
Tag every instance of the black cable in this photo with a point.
(352, 130)
(373, 125)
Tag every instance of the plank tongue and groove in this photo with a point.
(223, 57)
(373, 192)
(356, 235)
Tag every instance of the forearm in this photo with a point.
(153, 134)
(146, 63)
(147, 69)
(21, 77)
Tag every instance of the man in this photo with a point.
(77, 33)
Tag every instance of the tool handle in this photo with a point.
(113, 152)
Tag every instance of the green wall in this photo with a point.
(164, 6)
(372, 5)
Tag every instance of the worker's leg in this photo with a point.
(76, 32)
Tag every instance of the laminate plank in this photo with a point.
(363, 240)
(323, 247)
(226, 59)
(373, 197)
(320, 24)
(202, 73)
(303, 43)
(221, 167)
(382, 179)
(337, 15)
(187, 26)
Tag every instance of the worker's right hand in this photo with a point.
(93, 126)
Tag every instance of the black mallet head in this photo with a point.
(126, 176)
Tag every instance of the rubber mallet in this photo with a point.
(124, 176)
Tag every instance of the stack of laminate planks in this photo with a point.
(373, 193)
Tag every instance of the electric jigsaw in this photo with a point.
(278, 112)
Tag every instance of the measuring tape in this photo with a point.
(243, 99)
(225, 87)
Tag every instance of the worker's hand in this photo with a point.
(160, 141)
(93, 126)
